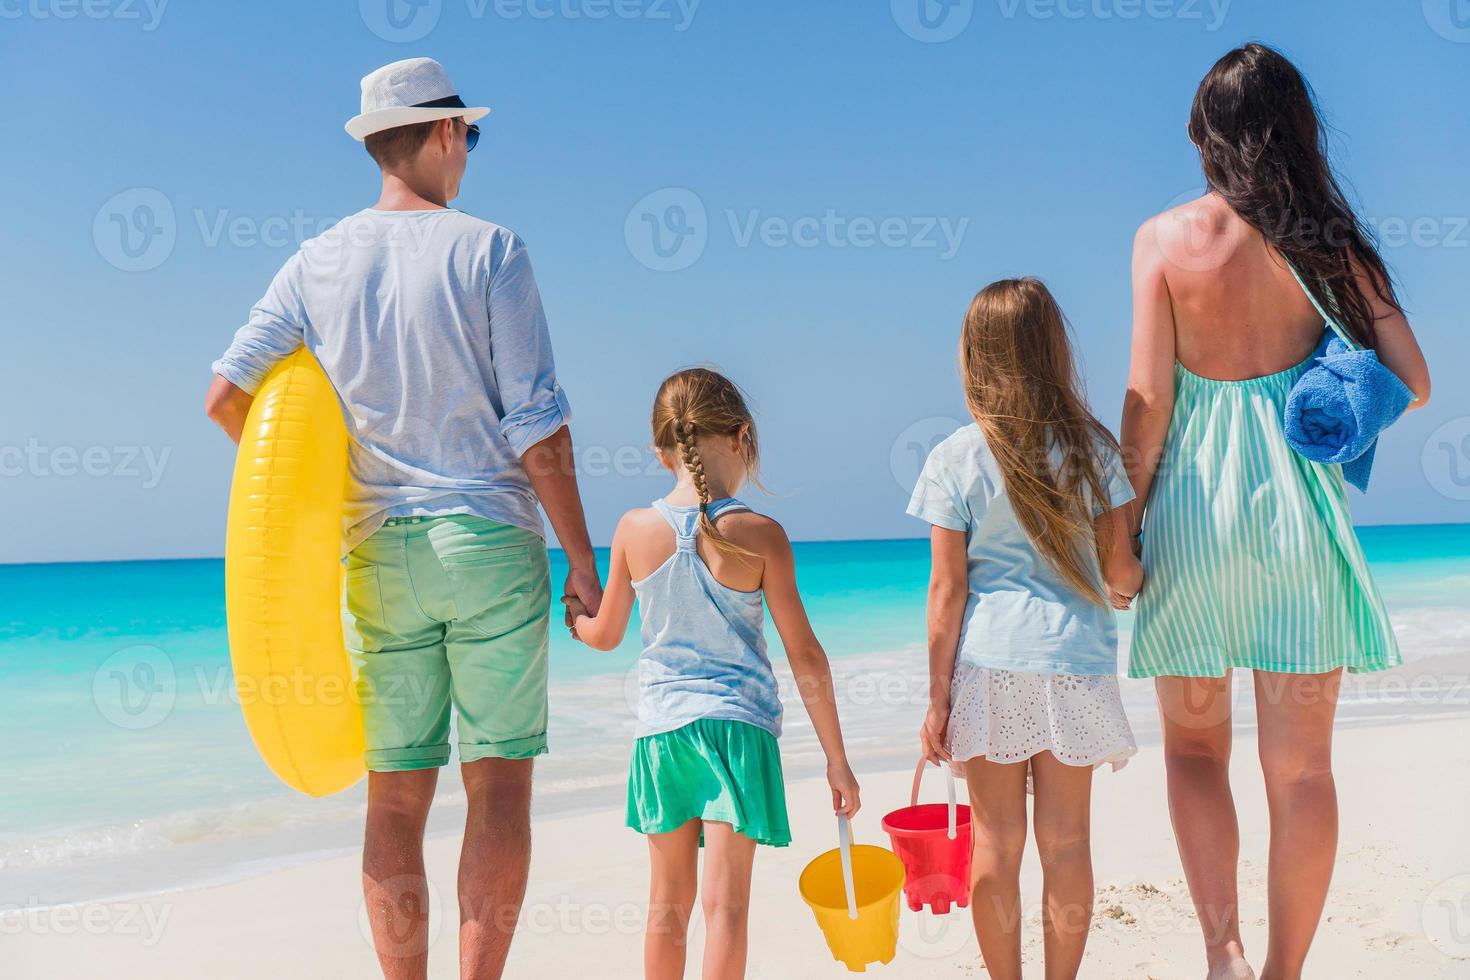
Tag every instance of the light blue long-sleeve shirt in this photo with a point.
(430, 327)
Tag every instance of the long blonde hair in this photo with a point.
(698, 403)
(1022, 387)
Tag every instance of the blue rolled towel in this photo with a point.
(1338, 407)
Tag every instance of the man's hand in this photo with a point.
(227, 406)
(582, 593)
(549, 465)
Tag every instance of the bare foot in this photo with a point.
(1233, 970)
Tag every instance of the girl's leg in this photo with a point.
(673, 879)
(728, 858)
(1195, 715)
(1062, 824)
(998, 825)
(1295, 713)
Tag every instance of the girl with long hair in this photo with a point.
(1250, 553)
(1029, 548)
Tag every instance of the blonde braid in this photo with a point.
(695, 402)
(694, 463)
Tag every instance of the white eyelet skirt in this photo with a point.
(1009, 716)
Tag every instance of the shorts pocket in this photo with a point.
(495, 589)
(363, 603)
(488, 557)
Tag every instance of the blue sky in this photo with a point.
(831, 182)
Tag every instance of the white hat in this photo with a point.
(410, 91)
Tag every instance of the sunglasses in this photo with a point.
(471, 137)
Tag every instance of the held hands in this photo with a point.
(934, 733)
(844, 788)
(1125, 580)
(581, 595)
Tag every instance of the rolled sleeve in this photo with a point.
(276, 328)
(537, 421)
(533, 405)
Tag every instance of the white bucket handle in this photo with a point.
(949, 785)
(844, 851)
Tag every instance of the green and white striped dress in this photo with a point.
(1249, 550)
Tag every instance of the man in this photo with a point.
(430, 327)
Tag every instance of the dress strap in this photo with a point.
(685, 520)
(1331, 321)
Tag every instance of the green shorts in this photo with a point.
(449, 609)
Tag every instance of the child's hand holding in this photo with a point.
(1124, 580)
(934, 733)
(844, 788)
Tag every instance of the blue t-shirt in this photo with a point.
(430, 327)
(1021, 614)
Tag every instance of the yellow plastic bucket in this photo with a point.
(877, 878)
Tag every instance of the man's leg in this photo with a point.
(493, 862)
(403, 683)
(496, 646)
(393, 883)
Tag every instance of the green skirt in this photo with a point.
(711, 770)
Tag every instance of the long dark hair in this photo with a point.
(1264, 151)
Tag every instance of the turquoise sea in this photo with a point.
(128, 767)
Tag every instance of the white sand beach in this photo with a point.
(1398, 905)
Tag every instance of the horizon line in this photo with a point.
(135, 561)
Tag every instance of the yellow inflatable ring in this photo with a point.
(283, 582)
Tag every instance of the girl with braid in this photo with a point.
(706, 769)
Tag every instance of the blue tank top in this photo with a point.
(704, 644)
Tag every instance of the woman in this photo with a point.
(1250, 556)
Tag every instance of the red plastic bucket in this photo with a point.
(936, 864)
